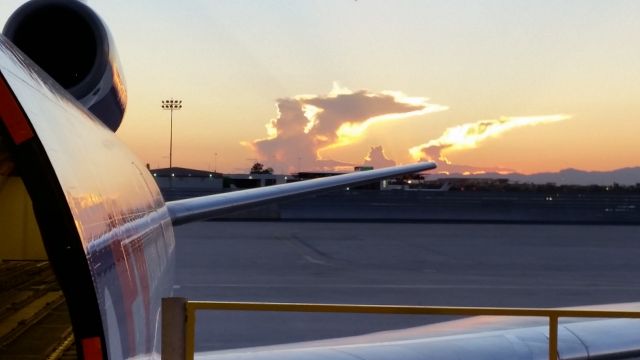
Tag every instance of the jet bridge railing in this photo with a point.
(179, 317)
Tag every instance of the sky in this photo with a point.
(500, 85)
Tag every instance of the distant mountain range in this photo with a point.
(624, 176)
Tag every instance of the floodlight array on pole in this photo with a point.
(171, 105)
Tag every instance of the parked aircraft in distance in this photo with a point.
(97, 215)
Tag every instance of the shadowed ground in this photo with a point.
(408, 264)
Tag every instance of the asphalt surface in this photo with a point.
(404, 264)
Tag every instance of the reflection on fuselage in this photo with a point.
(104, 223)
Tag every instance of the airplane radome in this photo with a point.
(109, 238)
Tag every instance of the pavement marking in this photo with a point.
(307, 251)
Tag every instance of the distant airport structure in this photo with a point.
(430, 198)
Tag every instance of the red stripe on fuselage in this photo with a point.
(129, 291)
(12, 115)
(143, 277)
(91, 348)
(133, 277)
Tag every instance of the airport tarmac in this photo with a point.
(392, 263)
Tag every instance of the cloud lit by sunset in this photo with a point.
(308, 124)
(470, 135)
(232, 61)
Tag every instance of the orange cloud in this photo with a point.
(470, 135)
(377, 158)
(307, 124)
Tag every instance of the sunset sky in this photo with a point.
(515, 85)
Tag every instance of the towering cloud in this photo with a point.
(469, 135)
(307, 124)
(378, 159)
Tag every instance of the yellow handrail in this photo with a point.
(551, 314)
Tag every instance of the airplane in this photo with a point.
(95, 212)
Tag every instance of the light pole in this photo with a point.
(215, 162)
(171, 105)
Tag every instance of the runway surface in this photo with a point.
(404, 264)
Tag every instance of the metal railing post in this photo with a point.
(553, 337)
(173, 328)
(190, 332)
